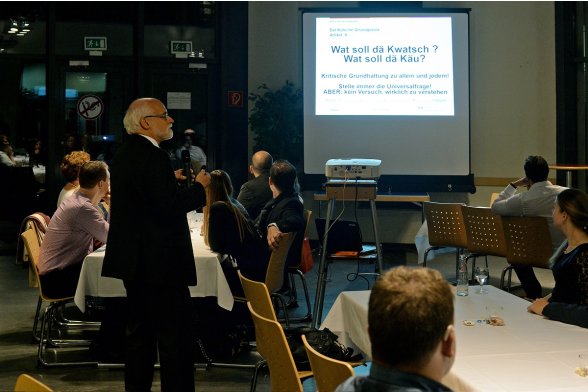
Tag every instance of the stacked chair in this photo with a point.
(271, 340)
(50, 320)
(294, 271)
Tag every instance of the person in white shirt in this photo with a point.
(537, 201)
(197, 155)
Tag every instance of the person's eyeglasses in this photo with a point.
(164, 116)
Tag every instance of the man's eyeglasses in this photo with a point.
(164, 116)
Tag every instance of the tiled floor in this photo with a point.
(18, 353)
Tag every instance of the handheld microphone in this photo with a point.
(187, 166)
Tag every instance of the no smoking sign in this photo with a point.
(90, 107)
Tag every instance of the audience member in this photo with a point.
(36, 153)
(71, 143)
(537, 201)
(285, 212)
(70, 168)
(150, 249)
(7, 155)
(231, 232)
(72, 230)
(197, 156)
(410, 325)
(569, 300)
(255, 193)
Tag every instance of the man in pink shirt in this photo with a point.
(73, 229)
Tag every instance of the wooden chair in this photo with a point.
(528, 242)
(274, 276)
(48, 320)
(258, 296)
(295, 271)
(328, 372)
(446, 228)
(484, 233)
(272, 345)
(493, 197)
(26, 383)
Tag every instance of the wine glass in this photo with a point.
(481, 274)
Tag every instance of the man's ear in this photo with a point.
(144, 124)
(448, 343)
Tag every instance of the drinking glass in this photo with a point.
(481, 274)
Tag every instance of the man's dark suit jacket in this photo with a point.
(254, 194)
(287, 212)
(149, 238)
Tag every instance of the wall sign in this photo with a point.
(235, 99)
(90, 106)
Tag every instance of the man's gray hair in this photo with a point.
(134, 115)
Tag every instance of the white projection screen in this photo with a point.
(392, 86)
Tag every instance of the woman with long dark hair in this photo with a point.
(569, 300)
(230, 231)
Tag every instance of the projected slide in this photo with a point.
(401, 66)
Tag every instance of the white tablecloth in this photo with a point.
(211, 279)
(529, 353)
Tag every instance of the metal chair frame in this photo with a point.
(49, 319)
(295, 271)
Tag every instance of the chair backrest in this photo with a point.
(528, 241)
(26, 383)
(484, 231)
(33, 248)
(328, 372)
(31, 243)
(272, 345)
(274, 276)
(493, 197)
(257, 294)
(445, 224)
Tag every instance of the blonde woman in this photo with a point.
(70, 168)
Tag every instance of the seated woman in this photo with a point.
(36, 153)
(568, 302)
(70, 168)
(7, 155)
(231, 232)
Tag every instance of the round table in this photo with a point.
(568, 169)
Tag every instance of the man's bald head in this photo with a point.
(261, 162)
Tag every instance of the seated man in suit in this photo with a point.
(72, 232)
(410, 318)
(538, 200)
(284, 213)
(255, 193)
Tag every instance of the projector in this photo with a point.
(353, 168)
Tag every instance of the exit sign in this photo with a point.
(180, 47)
(94, 43)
